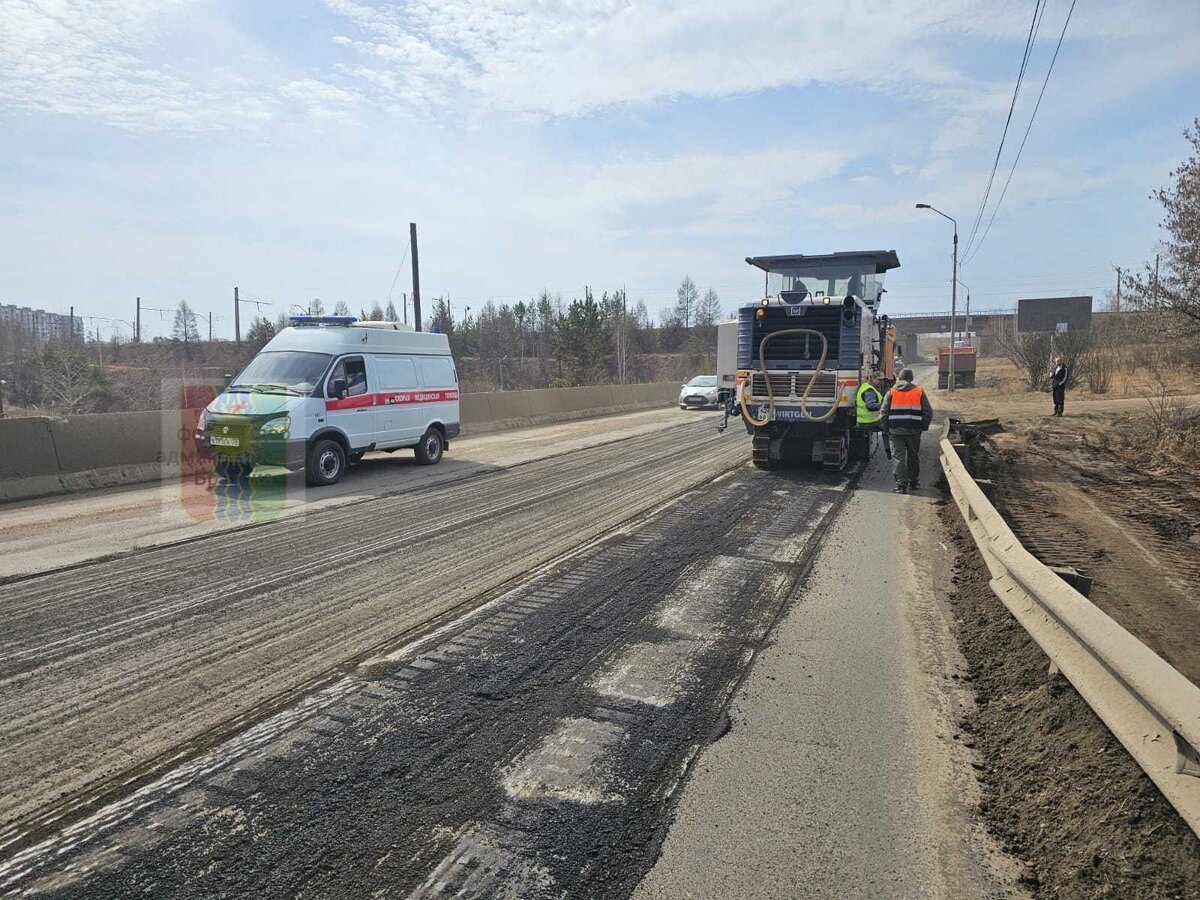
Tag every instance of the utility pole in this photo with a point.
(1117, 301)
(1156, 278)
(71, 334)
(412, 238)
(953, 310)
(137, 328)
(210, 326)
(405, 296)
(237, 317)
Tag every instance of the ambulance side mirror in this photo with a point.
(339, 388)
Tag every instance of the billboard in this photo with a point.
(1056, 314)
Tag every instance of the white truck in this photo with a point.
(727, 346)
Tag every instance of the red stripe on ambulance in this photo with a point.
(392, 398)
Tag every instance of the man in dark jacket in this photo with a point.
(906, 414)
(1059, 377)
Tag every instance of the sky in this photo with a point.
(172, 149)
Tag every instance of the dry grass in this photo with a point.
(999, 378)
(1150, 418)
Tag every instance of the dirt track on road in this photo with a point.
(111, 669)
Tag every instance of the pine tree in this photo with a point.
(261, 331)
(686, 300)
(185, 328)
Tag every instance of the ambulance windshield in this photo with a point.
(282, 371)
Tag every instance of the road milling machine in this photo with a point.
(803, 350)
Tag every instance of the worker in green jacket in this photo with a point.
(868, 409)
(868, 404)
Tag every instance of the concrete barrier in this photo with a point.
(108, 439)
(475, 408)
(27, 448)
(42, 456)
(503, 406)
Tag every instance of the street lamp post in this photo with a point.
(953, 290)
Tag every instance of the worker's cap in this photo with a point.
(906, 374)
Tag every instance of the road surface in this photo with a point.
(495, 685)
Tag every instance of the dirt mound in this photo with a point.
(1059, 790)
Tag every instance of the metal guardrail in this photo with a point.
(1150, 706)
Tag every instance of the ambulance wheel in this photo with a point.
(429, 450)
(326, 463)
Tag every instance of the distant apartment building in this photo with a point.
(44, 326)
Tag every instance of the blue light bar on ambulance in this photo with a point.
(323, 320)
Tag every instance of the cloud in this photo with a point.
(78, 58)
(569, 58)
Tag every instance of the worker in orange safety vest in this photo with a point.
(906, 414)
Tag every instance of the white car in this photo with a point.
(701, 391)
(329, 389)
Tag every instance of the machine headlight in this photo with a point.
(202, 422)
(277, 426)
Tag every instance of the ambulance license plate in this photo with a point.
(218, 441)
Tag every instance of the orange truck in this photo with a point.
(964, 366)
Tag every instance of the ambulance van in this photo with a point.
(328, 389)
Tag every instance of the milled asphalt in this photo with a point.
(543, 747)
(839, 776)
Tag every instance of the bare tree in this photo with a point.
(341, 308)
(1172, 284)
(73, 382)
(1028, 352)
(708, 309)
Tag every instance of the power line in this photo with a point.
(1038, 9)
(1017, 158)
(399, 269)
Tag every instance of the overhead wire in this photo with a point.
(1038, 10)
(975, 250)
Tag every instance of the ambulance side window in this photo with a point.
(354, 371)
(438, 371)
(396, 373)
